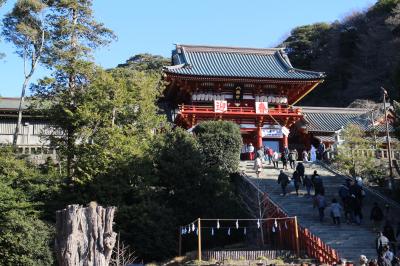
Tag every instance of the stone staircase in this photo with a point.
(348, 239)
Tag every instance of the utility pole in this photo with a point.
(199, 240)
(391, 178)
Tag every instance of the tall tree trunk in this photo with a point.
(72, 87)
(84, 236)
(21, 102)
(35, 57)
(70, 155)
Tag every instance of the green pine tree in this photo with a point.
(74, 34)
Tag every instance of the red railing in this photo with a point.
(233, 110)
(316, 248)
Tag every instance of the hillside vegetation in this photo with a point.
(359, 55)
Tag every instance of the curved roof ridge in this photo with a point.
(282, 55)
(321, 74)
(227, 49)
(326, 109)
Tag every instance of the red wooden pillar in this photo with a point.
(285, 142)
(259, 138)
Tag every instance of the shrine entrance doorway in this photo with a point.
(273, 144)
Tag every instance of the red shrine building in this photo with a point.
(255, 88)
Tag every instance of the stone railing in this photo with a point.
(376, 153)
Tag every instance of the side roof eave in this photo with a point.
(255, 79)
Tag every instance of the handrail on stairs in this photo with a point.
(367, 189)
(309, 243)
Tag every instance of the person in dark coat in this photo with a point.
(308, 184)
(376, 216)
(344, 195)
(317, 183)
(320, 203)
(355, 207)
(297, 181)
(300, 169)
(284, 160)
(356, 191)
(344, 192)
(283, 180)
(348, 212)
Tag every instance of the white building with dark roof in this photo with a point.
(32, 138)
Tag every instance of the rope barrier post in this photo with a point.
(296, 231)
(180, 241)
(199, 239)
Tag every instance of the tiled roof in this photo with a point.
(11, 103)
(328, 119)
(323, 138)
(215, 61)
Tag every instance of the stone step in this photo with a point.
(349, 240)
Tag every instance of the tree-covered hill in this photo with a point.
(359, 55)
(146, 62)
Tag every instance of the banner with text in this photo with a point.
(261, 107)
(220, 106)
(271, 133)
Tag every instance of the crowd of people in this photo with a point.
(349, 201)
(249, 152)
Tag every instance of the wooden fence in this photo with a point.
(221, 255)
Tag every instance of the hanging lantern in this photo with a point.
(212, 231)
(276, 223)
(258, 223)
(269, 99)
(244, 231)
(237, 224)
(217, 224)
(193, 227)
(229, 231)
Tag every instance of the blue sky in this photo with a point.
(153, 26)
